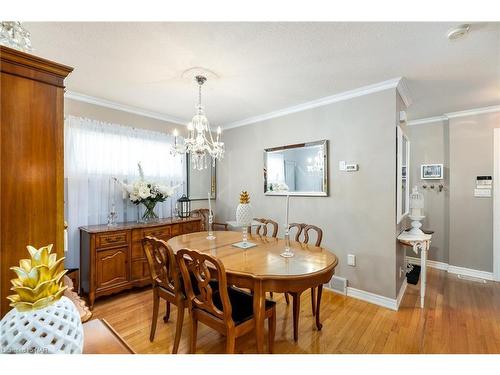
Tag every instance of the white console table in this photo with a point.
(418, 242)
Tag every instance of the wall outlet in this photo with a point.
(402, 272)
(351, 260)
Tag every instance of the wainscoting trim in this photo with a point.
(454, 269)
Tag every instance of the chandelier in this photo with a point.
(200, 143)
(14, 35)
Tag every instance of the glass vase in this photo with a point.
(149, 214)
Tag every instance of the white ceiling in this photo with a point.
(264, 67)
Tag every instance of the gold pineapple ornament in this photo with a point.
(244, 210)
(244, 197)
(38, 282)
(42, 319)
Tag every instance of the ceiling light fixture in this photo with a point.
(200, 142)
(458, 32)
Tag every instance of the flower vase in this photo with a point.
(149, 214)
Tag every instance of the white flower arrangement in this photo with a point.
(146, 192)
(278, 187)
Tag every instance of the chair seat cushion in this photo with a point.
(241, 302)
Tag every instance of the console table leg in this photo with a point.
(423, 269)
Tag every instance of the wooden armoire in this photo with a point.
(31, 159)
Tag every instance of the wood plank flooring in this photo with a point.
(460, 316)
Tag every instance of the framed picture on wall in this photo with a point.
(431, 171)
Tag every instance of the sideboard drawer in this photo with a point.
(190, 227)
(111, 239)
(160, 232)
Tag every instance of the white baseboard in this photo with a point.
(390, 303)
(376, 299)
(430, 263)
(401, 293)
(454, 269)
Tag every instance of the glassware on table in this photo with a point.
(210, 227)
(288, 253)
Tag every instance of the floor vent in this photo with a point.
(338, 284)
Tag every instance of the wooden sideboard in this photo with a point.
(112, 259)
(31, 159)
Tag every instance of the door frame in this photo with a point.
(496, 204)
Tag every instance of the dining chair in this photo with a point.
(302, 235)
(262, 230)
(204, 213)
(166, 283)
(228, 310)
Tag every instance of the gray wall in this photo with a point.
(429, 146)
(471, 219)
(463, 224)
(358, 216)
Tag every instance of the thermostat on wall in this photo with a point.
(351, 167)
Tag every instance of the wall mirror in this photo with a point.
(299, 169)
(403, 175)
(199, 183)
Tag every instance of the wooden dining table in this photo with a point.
(262, 269)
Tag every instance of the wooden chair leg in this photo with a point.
(271, 294)
(194, 333)
(167, 313)
(178, 327)
(318, 305)
(271, 321)
(230, 342)
(156, 307)
(313, 301)
(296, 312)
(287, 298)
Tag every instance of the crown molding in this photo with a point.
(404, 92)
(361, 91)
(474, 111)
(427, 120)
(123, 107)
(450, 115)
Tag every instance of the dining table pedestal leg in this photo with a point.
(259, 298)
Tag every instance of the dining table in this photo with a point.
(262, 269)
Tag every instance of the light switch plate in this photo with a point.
(342, 165)
(351, 167)
(351, 260)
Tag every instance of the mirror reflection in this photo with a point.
(296, 169)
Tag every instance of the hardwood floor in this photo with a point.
(460, 316)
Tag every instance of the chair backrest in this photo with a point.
(162, 264)
(202, 268)
(203, 213)
(262, 230)
(303, 229)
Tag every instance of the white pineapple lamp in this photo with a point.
(416, 211)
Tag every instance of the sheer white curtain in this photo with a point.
(96, 151)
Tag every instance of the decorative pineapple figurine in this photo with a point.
(244, 210)
(42, 319)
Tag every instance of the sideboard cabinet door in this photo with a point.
(112, 267)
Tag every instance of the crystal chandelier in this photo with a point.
(14, 35)
(200, 142)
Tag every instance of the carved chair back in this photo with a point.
(162, 264)
(201, 269)
(303, 230)
(203, 213)
(262, 230)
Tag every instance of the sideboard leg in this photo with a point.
(423, 266)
